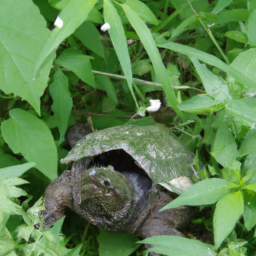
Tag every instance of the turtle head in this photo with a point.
(106, 193)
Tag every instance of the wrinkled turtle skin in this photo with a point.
(113, 181)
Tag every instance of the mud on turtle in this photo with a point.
(113, 181)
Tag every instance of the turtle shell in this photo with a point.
(154, 148)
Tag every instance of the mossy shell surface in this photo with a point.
(154, 149)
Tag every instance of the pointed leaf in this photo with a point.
(237, 36)
(227, 213)
(249, 210)
(251, 28)
(30, 136)
(221, 4)
(14, 171)
(210, 59)
(153, 53)
(72, 16)
(179, 246)
(23, 35)
(224, 148)
(62, 102)
(214, 85)
(249, 143)
(204, 192)
(118, 38)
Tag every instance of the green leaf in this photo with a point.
(243, 111)
(143, 11)
(251, 29)
(245, 63)
(75, 251)
(118, 38)
(210, 59)
(249, 143)
(204, 192)
(214, 85)
(179, 246)
(62, 102)
(221, 4)
(88, 34)
(21, 42)
(251, 187)
(227, 213)
(234, 15)
(30, 136)
(249, 210)
(153, 53)
(14, 171)
(73, 15)
(116, 244)
(224, 149)
(78, 63)
(238, 36)
(200, 104)
(7, 206)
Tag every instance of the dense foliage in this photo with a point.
(197, 57)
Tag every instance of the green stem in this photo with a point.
(209, 32)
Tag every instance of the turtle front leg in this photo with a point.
(58, 195)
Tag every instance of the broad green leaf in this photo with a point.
(116, 244)
(243, 111)
(30, 136)
(205, 192)
(209, 18)
(7, 206)
(249, 210)
(78, 63)
(227, 213)
(210, 59)
(249, 143)
(179, 246)
(238, 36)
(14, 171)
(251, 33)
(200, 104)
(23, 35)
(118, 38)
(143, 11)
(6, 242)
(249, 167)
(214, 85)
(245, 63)
(62, 102)
(251, 187)
(224, 149)
(153, 53)
(72, 16)
(234, 15)
(95, 16)
(89, 35)
(221, 4)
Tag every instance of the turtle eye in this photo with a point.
(107, 183)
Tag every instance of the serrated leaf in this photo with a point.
(214, 85)
(88, 34)
(224, 149)
(14, 171)
(118, 39)
(249, 143)
(62, 102)
(78, 63)
(212, 60)
(243, 111)
(116, 244)
(200, 104)
(143, 11)
(30, 136)
(18, 59)
(205, 192)
(179, 246)
(153, 53)
(72, 16)
(227, 213)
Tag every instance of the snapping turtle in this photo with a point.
(113, 181)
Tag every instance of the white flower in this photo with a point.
(154, 105)
(58, 22)
(105, 27)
